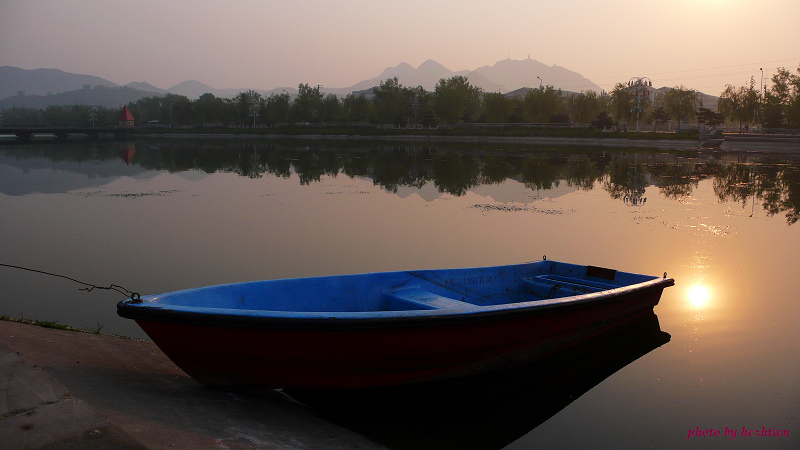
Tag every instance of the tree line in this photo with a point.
(775, 107)
(453, 100)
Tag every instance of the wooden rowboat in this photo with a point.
(381, 329)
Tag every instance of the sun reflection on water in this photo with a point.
(698, 296)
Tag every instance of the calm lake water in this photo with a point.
(721, 352)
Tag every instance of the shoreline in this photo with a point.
(64, 389)
(744, 144)
(532, 140)
(734, 143)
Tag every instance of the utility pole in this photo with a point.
(93, 114)
(638, 86)
(415, 109)
(254, 112)
(761, 101)
(253, 98)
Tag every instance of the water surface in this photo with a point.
(161, 215)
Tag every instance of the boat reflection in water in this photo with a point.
(491, 410)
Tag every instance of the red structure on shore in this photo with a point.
(125, 118)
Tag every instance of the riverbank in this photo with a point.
(750, 144)
(734, 142)
(68, 389)
(532, 140)
(471, 133)
(485, 134)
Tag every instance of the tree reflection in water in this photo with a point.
(626, 182)
(773, 180)
(775, 183)
(676, 180)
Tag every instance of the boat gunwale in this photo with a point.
(271, 319)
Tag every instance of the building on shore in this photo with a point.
(125, 118)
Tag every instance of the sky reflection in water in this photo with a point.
(158, 216)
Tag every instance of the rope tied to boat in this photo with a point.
(88, 287)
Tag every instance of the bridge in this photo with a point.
(26, 133)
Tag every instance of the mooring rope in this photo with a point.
(89, 286)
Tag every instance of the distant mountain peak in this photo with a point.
(505, 75)
(512, 74)
(430, 63)
(190, 83)
(44, 81)
(144, 86)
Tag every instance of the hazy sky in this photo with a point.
(701, 44)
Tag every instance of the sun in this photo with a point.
(698, 295)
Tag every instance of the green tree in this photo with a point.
(392, 102)
(211, 109)
(149, 109)
(785, 85)
(277, 108)
(19, 116)
(357, 108)
(603, 121)
(680, 103)
(585, 106)
(708, 117)
(659, 115)
(247, 105)
(784, 97)
(773, 111)
(455, 100)
(517, 111)
(622, 103)
(181, 111)
(168, 109)
(307, 105)
(543, 104)
(496, 107)
(55, 116)
(331, 109)
(739, 104)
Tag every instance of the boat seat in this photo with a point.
(578, 281)
(553, 286)
(418, 298)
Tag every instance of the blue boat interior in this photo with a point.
(450, 289)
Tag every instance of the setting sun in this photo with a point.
(698, 295)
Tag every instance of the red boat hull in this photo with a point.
(383, 353)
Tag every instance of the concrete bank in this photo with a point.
(64, 389)
(589, 142)
(734, 144)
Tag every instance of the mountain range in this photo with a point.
(504, 76)
(40, 88)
